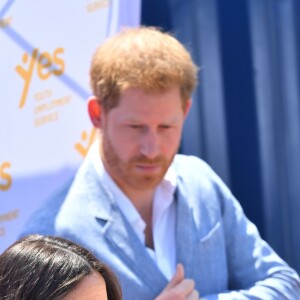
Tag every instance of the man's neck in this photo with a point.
(141, 200)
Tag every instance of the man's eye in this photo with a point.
(164, 126)
(135, 126)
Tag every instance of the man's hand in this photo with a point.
(179, 288)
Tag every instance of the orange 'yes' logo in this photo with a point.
(45, 64)
(87, 139)
(6, 177)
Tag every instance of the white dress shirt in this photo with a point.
(163, 215)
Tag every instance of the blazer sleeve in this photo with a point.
(255, 270)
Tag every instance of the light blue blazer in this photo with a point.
(218, 246)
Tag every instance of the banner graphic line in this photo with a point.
(6, 7)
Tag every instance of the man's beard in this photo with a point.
(125, 172)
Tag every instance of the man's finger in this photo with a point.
(193, 296)
(177, 277)
(184, 288)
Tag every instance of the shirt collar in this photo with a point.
(168, 184)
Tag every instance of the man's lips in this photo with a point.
(147, 167)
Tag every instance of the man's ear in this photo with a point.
(94, 108)
(187, 108)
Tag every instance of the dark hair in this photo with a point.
(46, 267)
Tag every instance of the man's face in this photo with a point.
(141, 136)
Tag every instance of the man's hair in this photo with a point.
(143, 58)
(45, 267)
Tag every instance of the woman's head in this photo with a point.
(41, 267)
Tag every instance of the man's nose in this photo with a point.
(150, 144)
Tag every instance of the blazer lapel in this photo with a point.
(186, 233)
(122, 236)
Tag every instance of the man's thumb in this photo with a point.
(177, 277)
